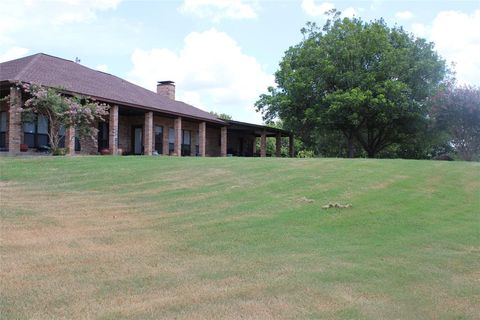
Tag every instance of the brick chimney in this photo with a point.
(166, 89)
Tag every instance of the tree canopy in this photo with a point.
(222, 116)
(456, 111)
(363, 80)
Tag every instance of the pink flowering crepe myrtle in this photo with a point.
(62, 111)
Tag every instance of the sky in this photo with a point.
(222, 54)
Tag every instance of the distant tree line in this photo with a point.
(364, 89)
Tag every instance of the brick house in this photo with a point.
(140, 121)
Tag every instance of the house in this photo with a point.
(139, 122)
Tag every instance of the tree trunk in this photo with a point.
(53, 137)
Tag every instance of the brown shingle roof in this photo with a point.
(50, 71)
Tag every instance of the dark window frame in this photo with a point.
(171, 145)
(3, 134)
(103, 143)
(34, 139)
(159, 139)
(186, 148)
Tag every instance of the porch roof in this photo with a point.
(50, 71)
(256, 128)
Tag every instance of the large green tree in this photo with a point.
(363, 80)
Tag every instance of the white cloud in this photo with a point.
(21, 16)
(221, 9)
(420, 30)
(349, 12)
(210, 71)
(404, 15)
(13, 53)
(31, 13)
(457, 39)
(102, 67)
(71, 11)
(314, 9)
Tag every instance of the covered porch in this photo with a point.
(132, 130)
(242, 140)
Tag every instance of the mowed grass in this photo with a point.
(191, 238)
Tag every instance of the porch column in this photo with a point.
(148, 134)
(165, 142)
(278, 145)
(113, 130)
(70, 140)
(263, 144)
(193, 139)
(202, 131)
(291, 150)
(254, 149)
(178, 136)
(14, 121)
(223, 141)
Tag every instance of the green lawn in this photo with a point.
(192, 238)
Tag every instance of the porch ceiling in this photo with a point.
(256, 129)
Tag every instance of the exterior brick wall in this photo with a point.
(223, 141)
(263, 144)
(113, 130)
(125, 124)
(89, 146)
(148, 134)
(178, 136)
(15, 134)
(202, 142)
(238, 143)
(70, 140)
(167, 90)
(213, 142)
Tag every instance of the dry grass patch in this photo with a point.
(237, 239)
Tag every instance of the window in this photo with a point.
(35, 133)
(171, 140)
(186, 142)
(186, 137)
(3, 129)
(159, 139)
(103, 136)
(78, 147)
(61, 136)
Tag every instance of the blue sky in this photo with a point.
(221, 53)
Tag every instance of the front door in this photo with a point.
(137, 140)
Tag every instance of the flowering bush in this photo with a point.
(62, 111)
